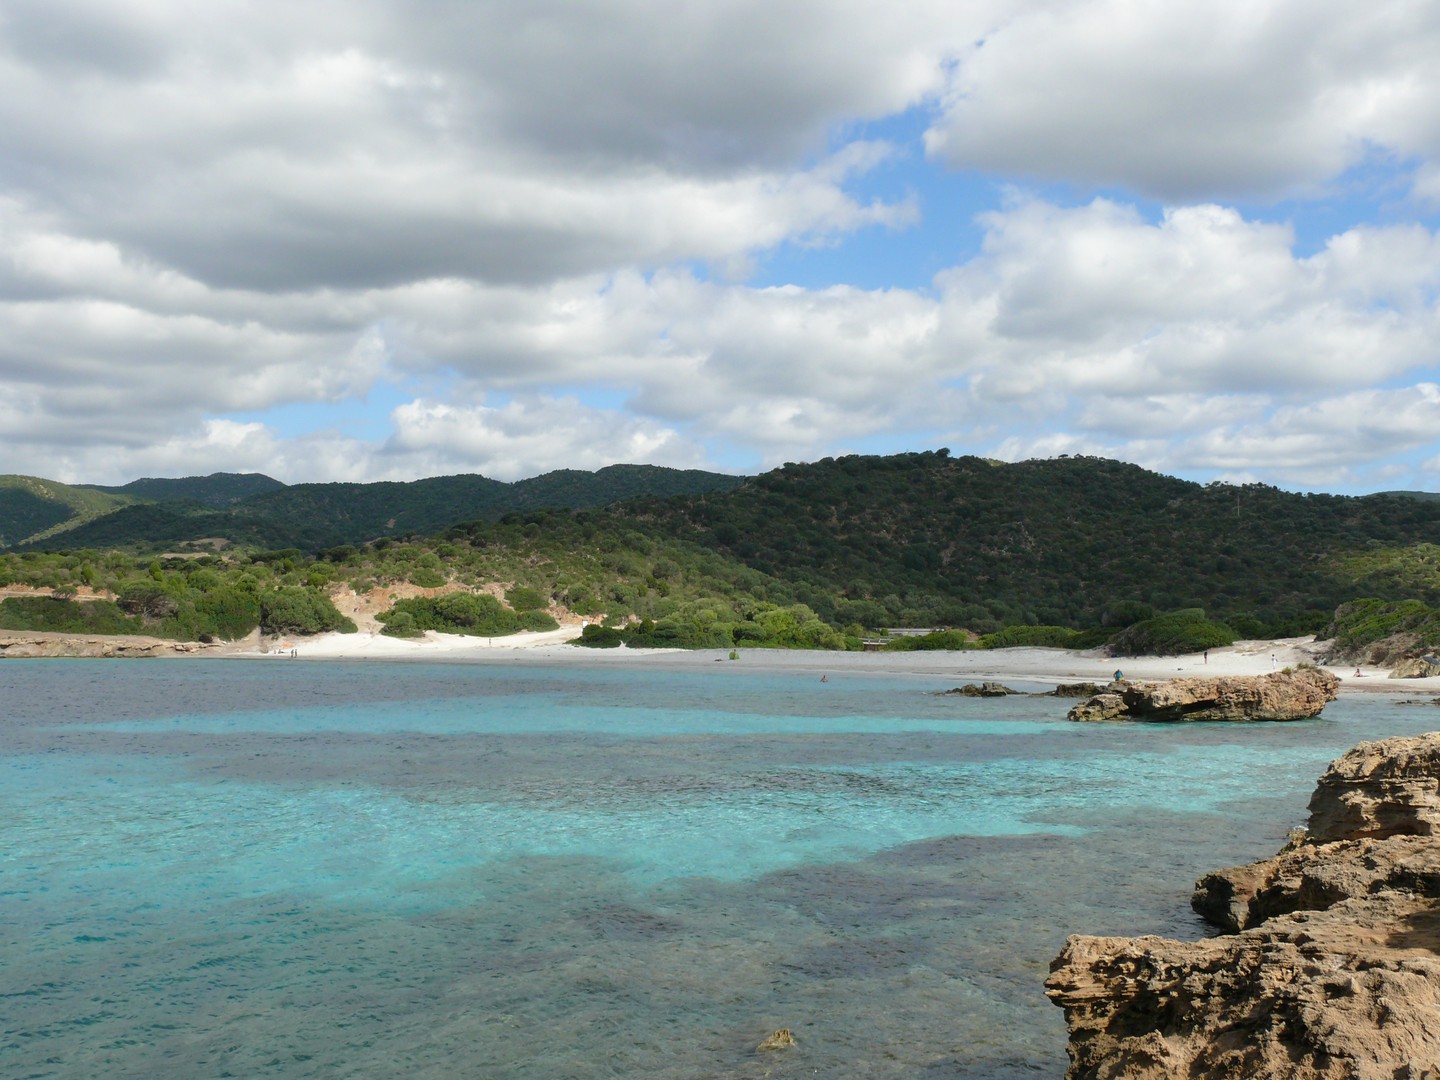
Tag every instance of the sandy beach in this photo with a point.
(1021, 665)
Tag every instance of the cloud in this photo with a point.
(1189, 101)
(534, 226)
(277, 148)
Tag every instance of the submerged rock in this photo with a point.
(1280, 695)
(985, 689)
(1332, 966)
(781, 1039)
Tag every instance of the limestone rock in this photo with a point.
(1333, 971)
(1100, 707)
(1307, 996)
(1280, 695)
(1077, 690)
(1314, 877)
(1417, 667)
(1385, 788)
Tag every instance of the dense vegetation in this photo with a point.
(252, 511)
(217, 489)
(461, 613)
(1071, 552)
(183, 599)
(930, 540)
(32, 508)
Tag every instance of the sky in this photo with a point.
(364, 240)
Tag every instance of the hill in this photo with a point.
(815, 554)
(931, 540)
(313, 517)
(215, 490)
(32, 508)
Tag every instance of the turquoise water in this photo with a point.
(214, 868)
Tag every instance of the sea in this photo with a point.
(332, 869)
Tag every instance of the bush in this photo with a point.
(1183, 631)
(524, 598)
(400, 624)
(1091, 639)
(227, 613)
(292, 609)
(66, 616)
(596, 636)
(458, 613)
(147, 600)
(538, 621)
(1034, 637)
(941, 639)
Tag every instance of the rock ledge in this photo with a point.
(1281, 695)
(1332, 969)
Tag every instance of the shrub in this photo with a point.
(524, 598)
(1177, 632)
(297, 610)
(1035, 637)
(595, 636)
(941, 639)
(227, 613)
(537, 620)
(66, 616)
(458, 613)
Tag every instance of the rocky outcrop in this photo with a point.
(1416, 667)
(1379, 789)
(46, 644)
(1106, 706)
(1332, 966)
(1075, 689)
(1282, 695)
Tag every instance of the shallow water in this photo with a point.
(213, 868)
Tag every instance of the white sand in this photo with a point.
(1029, 666)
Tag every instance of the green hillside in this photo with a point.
(31, 508)
(313, 517)
(928, 539)
(1072, 551)
(215, 490)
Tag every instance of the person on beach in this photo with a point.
(1207, 656)
(1119, 675)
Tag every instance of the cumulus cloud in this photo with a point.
(533, 226)
(365, 144)
(1191, 100)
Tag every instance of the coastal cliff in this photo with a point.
(1282, 695)
(1331, 968)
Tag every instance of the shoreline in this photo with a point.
(1022, 665)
